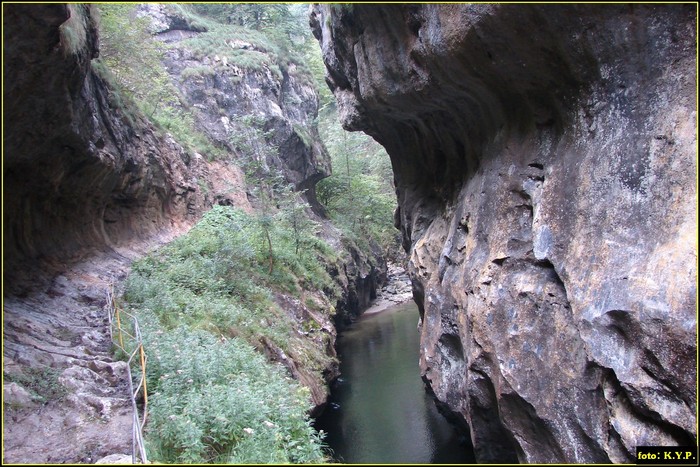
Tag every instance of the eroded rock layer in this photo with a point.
(86, 188)
(79, 172)
(544, 158)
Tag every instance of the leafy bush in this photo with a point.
(205, 301)
(217, 400)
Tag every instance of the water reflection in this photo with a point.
(382, 413)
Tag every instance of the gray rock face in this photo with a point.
(78, 172)
(267, 113)
(86, 188)
(544, 159)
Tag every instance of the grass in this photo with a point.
(206, 307)
(180, 123)
(243, 47)
(73, 32)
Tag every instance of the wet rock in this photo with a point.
(544, 159)
(359, 275)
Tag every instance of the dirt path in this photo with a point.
(65, 398)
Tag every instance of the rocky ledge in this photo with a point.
(397, 289)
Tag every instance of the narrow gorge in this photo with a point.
(545, 166)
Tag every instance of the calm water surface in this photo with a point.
(379, 410)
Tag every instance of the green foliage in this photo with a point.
(181, 125)
(314, 62)
(127, 49)
(216, 400)
(116, 98)
(197, 71)
(73, 32)
(132, 61)
(257, 151)
(203, 301)
(246, 49)
(254, 37)
(258, 16)
(360, 194)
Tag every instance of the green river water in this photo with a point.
(379, 411)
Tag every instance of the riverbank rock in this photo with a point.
(398, 287)
(116, 459)
(545, 165)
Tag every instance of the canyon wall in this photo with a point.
(80, 171)
(89, 185)
(266, 118)
(545, 164)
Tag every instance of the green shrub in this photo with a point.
(205, 301)
(196, 72)
(359, 195)
(217, 400)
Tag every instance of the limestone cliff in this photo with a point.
(544, 158)
(265, 118)
(79, 172)
(270, 107)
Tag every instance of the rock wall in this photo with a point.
(87, 187)
(80, 172)
(545, 161)
(265, 113)
(359, 275)
(283, 135)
